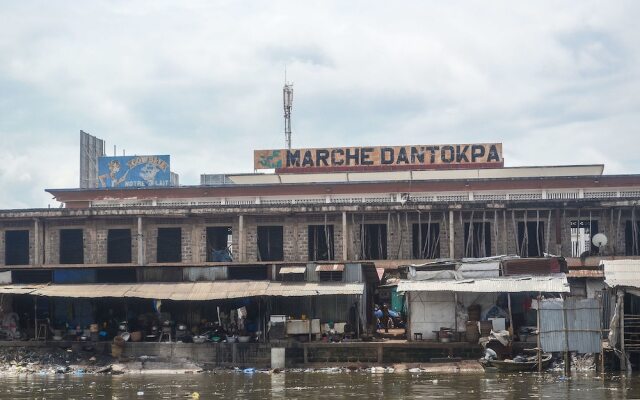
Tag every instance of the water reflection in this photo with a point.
(322, 386)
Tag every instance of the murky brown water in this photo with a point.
(292, 385)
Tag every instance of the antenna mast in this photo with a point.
(287, 99)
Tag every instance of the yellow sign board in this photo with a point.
(381, 158)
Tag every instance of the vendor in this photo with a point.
(499, 310)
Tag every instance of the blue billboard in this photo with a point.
(133, 171)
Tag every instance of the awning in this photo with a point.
(555, 283)
(83, 290)
(18, 289)
(329, 267)
(622, 273)
(295, 289)
(293, 270)
(216, 290)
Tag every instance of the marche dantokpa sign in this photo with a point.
(447, 156)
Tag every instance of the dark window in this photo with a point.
(530, 242)
(292, 277)
(320, 242)
(270, 246)
(219, 244)
(426, 241)
(330, 276)
(373, 239)
(71, 246)
(16, 247)
(169, 245)
(258, 272)
(478, 243)
(116, 275)
(119, 246)
(31, 276)
(632, 239)
(581, 233)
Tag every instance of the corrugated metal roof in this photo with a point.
(622, 273)
(293, 270)
(553, 283)
(193, 291)
(329, 267)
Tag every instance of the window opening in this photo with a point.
(320, 242)
(632, 238)
(330, 276)
(477, 239)
(169, 245)
(16, 247)
(582, 232)
(426, 240)
(219, 239)
(373, 239)
(531, 238)
(71, 246)
(270, 243)
(119, 246)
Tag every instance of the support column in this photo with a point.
(345, 237)
(36, 242)
(452, 246)
(140, 239)
(241, 242)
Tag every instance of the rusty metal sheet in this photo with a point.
(585, 273)
(329, 267)
(531, 266)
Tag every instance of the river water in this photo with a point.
(322, 385)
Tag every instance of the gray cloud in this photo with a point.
(556, 82)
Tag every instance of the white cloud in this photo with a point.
(202, 81)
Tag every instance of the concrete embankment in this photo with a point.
(171, 358)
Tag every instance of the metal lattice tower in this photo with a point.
(287, 99)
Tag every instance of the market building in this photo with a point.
(308, 240)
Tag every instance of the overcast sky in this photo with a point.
(556, 82)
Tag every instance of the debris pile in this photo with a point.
(44, 361)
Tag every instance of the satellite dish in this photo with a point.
(599, 240)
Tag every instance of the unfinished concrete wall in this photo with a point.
(150, 229)
(102, 228)
(429, 312)
(52, 238)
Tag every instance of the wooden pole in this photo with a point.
(567, 359)
(455, 299)
(623, 357)
(510, 316)
(539, 346)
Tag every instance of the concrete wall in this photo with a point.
(429, 312)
